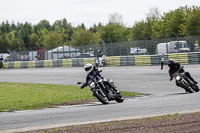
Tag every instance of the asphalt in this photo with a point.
(163, 96)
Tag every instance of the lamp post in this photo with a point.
(103, 46)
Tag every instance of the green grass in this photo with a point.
(167, 117)
(23, 96)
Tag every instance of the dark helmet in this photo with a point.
(171, 62)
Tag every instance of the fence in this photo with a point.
(144, 47)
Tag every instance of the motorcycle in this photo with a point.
(100, 62)
(183, 81)
(104, 90)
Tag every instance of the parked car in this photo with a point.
(4, 57)
(138, 50)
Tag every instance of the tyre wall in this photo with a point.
(137, 60)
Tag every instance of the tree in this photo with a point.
(114, 32)
(64, 27)
(95, 28)
(43, 24)
(192, 21)
(158, 29)
(138, 30)
(144, 29)
(3, 46)
(34, 41)
(53, 39)
(13, 42)
(172, 22)
(83, 37)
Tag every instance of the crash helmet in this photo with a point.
(88, 67)
(171, 62)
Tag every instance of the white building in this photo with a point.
(62, 52)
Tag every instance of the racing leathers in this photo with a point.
(94, 72)
(175, 67)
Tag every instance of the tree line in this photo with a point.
(183, 21)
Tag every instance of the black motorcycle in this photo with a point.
(103, 90)
(183, 81)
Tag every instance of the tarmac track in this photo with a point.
(164, 97)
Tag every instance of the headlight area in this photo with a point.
(178, 77)
(92, 85)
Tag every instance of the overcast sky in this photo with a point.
(84, 11)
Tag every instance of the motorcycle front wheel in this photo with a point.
(101, 97)
(186, 87)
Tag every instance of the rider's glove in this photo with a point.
(171, 79)
(83, 85)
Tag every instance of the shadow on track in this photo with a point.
(98, 104)
(173, 94)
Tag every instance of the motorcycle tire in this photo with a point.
(195, 88)
(119, 98)
(186, 87)
(101, 97)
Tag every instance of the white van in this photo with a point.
(173, 47)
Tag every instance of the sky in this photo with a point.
(89, 12)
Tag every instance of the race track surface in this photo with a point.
(163, 96)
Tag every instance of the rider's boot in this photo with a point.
(190, 77)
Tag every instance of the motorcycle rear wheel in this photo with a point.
(119, 98)
(196, 88)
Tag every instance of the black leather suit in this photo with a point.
(175, 67)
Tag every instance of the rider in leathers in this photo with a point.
(91, 72)
(174, 67)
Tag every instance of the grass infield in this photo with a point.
(24, 96)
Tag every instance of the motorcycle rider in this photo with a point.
(91, 71)
(100, 60)
(174, 67)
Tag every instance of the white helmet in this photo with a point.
(88, 67)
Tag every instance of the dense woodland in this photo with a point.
(183, 21)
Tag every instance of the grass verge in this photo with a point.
(24, 96)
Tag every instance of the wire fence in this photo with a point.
(138, 47)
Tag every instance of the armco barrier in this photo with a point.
(48, 63)
(89, 60)
(31, 64)
(143, 60)
(67, 62)
(194, 58)
(39, 63)
(24, 64)
(139, 60)
(127, 61)
(180, 57)
(113, 61)
(77, 62)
